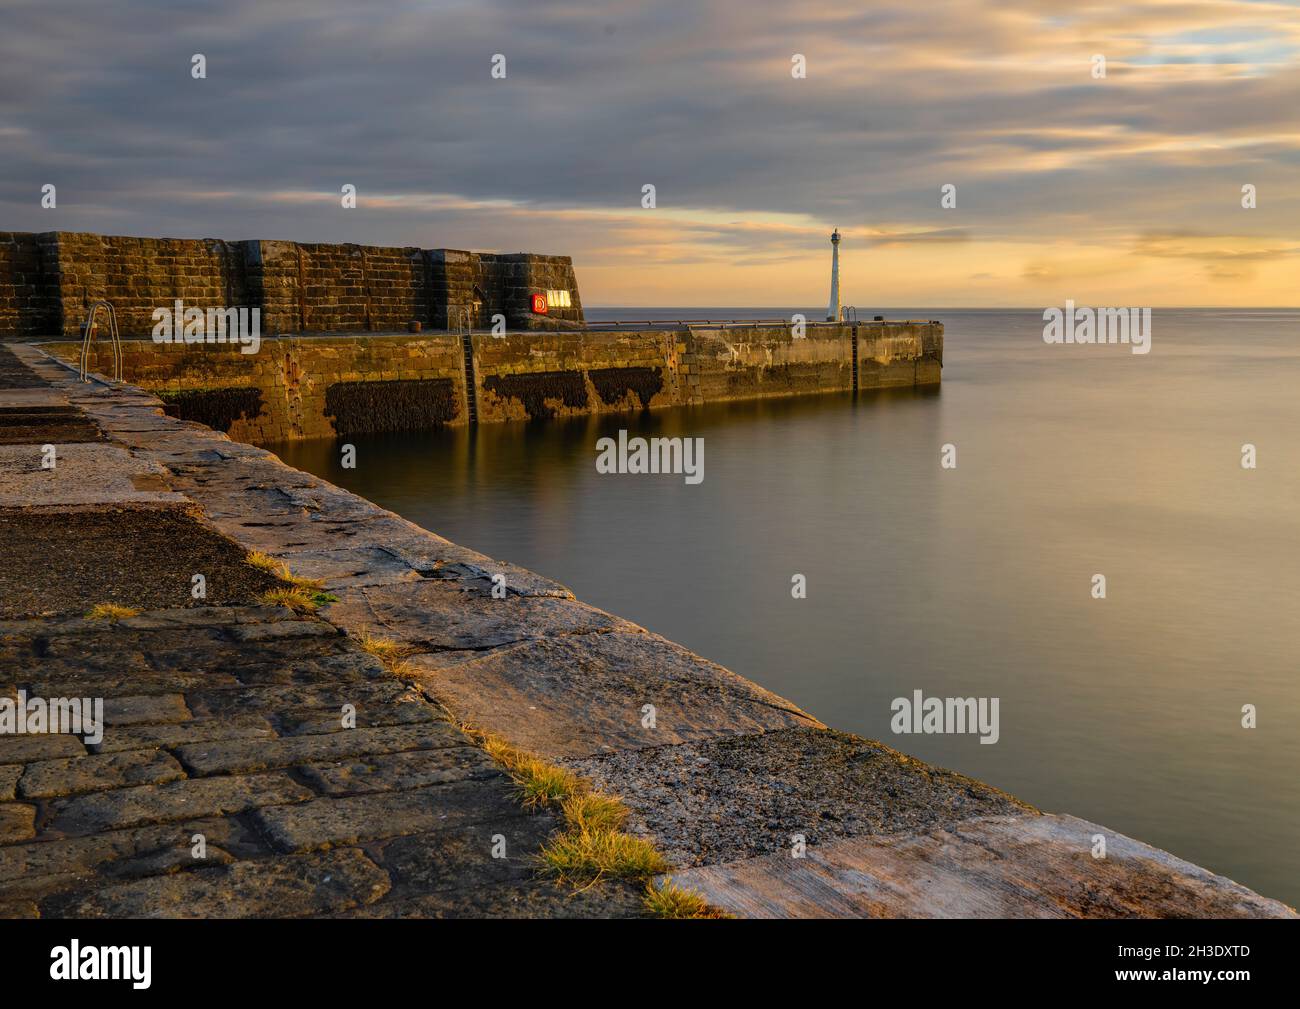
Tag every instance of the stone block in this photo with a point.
(283, 888)
(398, 771)
(17, 822)
(256, 755)
(143, 804)
(333, 821)
(46, 779)
(137, 737)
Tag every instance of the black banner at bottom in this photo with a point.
(196, 959)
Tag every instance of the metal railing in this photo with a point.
(89, 333)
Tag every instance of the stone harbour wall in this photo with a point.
(49, 281)
(325, 386)
(29, 292)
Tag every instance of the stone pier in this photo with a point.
(338, 354)
(223, 730)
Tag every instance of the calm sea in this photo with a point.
(975, 581)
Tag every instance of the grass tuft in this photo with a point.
(295, 597)
(592, 844)
(539, 783)
(668, 900)
(594, 813)
(278, 568)
(385, 649)
(582, 857)
(269, 564)
(111, 612)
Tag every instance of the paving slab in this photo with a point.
(329, 822)
(584, 694)
(283, 888)
(1001, 867)
(33, 398)
(82, 475)
(23, 749)
(301, 698)
(137, 709)
(177, 800)
(466, 857)
(390, 772)
(358, 566)
(77, 857)
(225, 757)
(45, 779)
(438, 615)
(178, 734)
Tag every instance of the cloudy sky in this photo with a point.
(1122, 190)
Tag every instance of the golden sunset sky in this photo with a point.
(1123, 190)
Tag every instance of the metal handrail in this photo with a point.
(114, 338)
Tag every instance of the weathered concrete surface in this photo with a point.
(81, 475)
(1000, 867)
(69, 557)
(250, 698)
(741, 796)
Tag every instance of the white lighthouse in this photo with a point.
(833, 309)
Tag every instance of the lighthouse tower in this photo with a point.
(833, 309)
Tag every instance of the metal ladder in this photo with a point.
(88, 335)
(467, 348)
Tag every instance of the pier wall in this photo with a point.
(29, 291)
(322, 386)
(48, 281)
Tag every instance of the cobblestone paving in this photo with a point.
(226, 723)
(226, 783)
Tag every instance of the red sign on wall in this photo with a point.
(539, 304)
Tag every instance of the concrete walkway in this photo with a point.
(224, 721)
